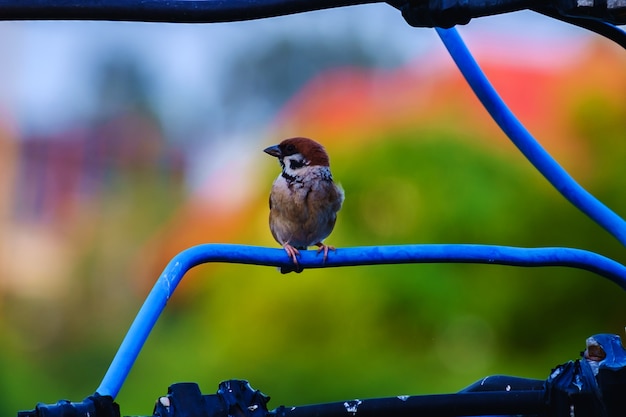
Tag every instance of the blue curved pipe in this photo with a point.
(369, 255)
(532, 150)
(375, 255)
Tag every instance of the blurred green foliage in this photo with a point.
(333, 334)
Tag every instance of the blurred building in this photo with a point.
(55, 189)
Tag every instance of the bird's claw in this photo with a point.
(325, 248)
(292, 252)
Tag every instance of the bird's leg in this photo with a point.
(325, 248)
(292, 252)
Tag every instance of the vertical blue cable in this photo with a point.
(532, 150)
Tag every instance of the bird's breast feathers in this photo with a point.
(306, 206)
(312, 183)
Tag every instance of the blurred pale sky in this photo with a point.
(46, 66)
(49, 68)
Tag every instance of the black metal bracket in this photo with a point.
(92, 406)
(592, 386)
(448, 13)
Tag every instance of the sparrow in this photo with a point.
(304, 199)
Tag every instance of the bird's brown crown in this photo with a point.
(308, 148)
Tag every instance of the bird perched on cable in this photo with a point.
(304, 200)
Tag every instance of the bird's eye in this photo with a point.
(290, 148)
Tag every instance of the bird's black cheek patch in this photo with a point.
(290, 179)
(296, 163)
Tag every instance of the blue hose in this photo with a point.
(378, 255)
(371, 255)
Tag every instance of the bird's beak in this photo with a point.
(273, 150)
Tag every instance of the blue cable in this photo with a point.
(532, 150)
(377, 255)
(371, 255)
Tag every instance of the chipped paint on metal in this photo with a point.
(352, 406)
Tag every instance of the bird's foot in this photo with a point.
(325, 248)
(293, 254)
